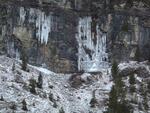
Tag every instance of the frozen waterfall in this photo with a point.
(43, 25)
(43, 22)
(92, 54)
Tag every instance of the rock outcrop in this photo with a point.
(47, 29)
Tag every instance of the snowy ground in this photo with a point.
(14, 88)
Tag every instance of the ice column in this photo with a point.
(22, 15)
(42, 22)
(91, 56)
(43, 25)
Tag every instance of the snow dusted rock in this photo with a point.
(141, 69)
(79, 79)
(139, 98)
(56, 92)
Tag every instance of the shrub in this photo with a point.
(55, 104)
(61, 110)
(51, 98)
(2, 98)
(24, 105)
(13, 106)
(125, 27)
(93, 102)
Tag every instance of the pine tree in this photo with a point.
(61, 110)
(114, 69)
(145, 101)
(144, 92)
(117, 101)
(32, 86)
(24, 59)
(40, 81)
(51, 98)
(120, 87)
(132, 83)
(93, 101)
(2, 98)
(13, 66)
(137, 54)
(55, 104)
(148, 87)
(24, 105)
(13, 106)
(132, 79)
(112, 106)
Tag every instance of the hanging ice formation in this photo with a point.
(43, 22)
(92, 56)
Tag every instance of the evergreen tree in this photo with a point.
(32, 86)
(137, 54)
(145, 101)
(61, 110)
(24, 105)
(132, 79)
(117, 101)
(124, 107)
(13, 66)
(129, 3)
(114, 69)
(93, 101)
(132, 83)
(51, 97)
(55, 104)
(112, 106)
(13, 106)
(120, 87)
(24, 59)
(144, 104)
(2, 98)
(40, 81)
(148, 87)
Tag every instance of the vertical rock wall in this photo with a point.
(72, 35)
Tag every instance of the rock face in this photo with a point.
(47, 35)
(49, 31)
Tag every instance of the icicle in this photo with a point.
(17, 53)
(42, 21)
(43, 24)
(97, 52)
(32, 15)
(22, 15)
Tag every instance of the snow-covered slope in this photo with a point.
(71, 92)
(56, 93)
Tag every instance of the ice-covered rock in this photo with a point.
(43, 22)
(92, 56)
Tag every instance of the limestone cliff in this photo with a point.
(48, 30)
